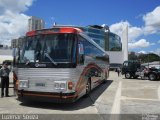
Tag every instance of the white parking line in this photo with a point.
(129, 98)
(116, 104)
(158, 92)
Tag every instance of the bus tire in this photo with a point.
(128, 75)
(104, 81)
(88, 87)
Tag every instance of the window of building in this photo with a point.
(114, 42)
(89, 48)
(107, 40)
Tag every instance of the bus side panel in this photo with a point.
(89, 68)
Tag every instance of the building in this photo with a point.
(106, 39)
(35, 23)
(15, 43)
(115, 47)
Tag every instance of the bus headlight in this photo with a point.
(23, 84)
(56, 85)
(60, 85)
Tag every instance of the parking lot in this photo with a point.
(117, 96)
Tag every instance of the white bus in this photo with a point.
(60, 64)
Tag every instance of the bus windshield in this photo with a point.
(52, 48)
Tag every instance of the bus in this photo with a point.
(59, 64)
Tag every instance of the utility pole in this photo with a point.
(148, 59)
(159, 59)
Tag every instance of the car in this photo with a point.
(141, 72)
(153, 73)
(148, 73)
(133, 69)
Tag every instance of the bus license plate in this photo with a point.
(40, 84)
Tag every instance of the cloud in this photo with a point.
(152, 21)
(151, 26)
(157, 51)
(15, 6)
(13, 22)
(142, 43)
(142, 52)
(152, 44)
(118, 27)
(133, 31)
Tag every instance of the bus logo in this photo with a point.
(40, 65)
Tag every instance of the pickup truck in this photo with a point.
(150, 73)
(129, 68)
(133, 69)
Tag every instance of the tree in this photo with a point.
(132, 56)
(150, 57)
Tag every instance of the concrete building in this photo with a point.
(35, 23)
(118, 57)
(115, 46)
(15, 43)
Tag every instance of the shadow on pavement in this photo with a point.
(79, 104)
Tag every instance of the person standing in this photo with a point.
(4, 73)
(118, 71)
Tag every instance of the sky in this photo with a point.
(141, 16)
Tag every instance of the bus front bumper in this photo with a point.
(47, 96)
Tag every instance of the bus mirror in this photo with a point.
(80, 49)
(14, 54)
(17, 56)
(81, 53)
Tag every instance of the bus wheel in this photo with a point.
(88, 87)
(104, 81)
(128, 75)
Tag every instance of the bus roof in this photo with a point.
(63, 29)
(54, 30)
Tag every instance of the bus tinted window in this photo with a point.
(48, 48)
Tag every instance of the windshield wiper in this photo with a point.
(47, 55)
